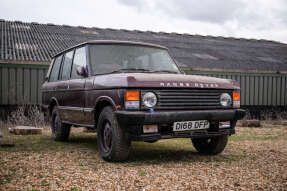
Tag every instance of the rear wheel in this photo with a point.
(60, 131)
(113, 143)
(210, 146)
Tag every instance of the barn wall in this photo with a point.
(257, 89)
(20, 84)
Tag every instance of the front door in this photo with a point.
(75, 95)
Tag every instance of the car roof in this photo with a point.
(112, 42)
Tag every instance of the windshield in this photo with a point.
(130, 58)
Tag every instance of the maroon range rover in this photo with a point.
(133, 91)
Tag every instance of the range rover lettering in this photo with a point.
(133, 91)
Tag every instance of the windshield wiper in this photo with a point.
(129, 70)
(166, 71)
(135, 69)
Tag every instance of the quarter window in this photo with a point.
(55, 70)
(67, 65)
(79, 60)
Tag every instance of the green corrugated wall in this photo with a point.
(257, 89)
(21, 83)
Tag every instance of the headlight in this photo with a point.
(149, 99)
(225, 100)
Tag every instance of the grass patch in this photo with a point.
(45, 183)
(44, 142)
(142, 173)
(259, 134)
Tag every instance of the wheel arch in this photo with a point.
(101, 103)
(53, 103)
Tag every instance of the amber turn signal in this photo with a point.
(132, 96)
(236, 96)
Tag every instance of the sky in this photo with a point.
(256, 19)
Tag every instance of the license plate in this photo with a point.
(190, 125)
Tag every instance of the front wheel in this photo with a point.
(210, 146)
(113, 143)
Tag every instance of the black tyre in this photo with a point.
(113, 143)
(60, 131)
(210, 146)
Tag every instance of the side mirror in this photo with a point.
(82, 71)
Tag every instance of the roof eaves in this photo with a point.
(233, 70)
(24, 62)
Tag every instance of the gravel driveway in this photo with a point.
(255, 159)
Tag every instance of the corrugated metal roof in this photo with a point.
(36, 42)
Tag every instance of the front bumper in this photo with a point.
(133, 122)
(145, 118)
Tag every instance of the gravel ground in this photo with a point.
(255, 159)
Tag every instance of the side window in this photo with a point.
(79, 60)
(67, 65)
(55, 70)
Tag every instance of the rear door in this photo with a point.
(63, 86)
(50, 88)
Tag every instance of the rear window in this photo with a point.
(55, 70)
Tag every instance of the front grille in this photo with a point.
(188, 99)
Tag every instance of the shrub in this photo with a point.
(27, 115)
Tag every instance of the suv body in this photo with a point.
(132, 91)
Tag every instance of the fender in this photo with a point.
(105, 98)
(53, 99)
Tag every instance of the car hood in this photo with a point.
(158, 80)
